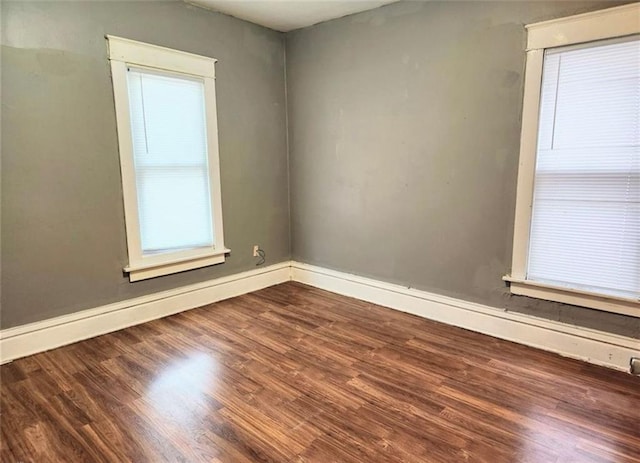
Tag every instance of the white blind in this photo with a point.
(585, 231)
(168, 128)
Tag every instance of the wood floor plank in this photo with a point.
(293, 374)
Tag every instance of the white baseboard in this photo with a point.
(570, 341)
(55, 332)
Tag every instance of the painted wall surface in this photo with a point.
(404, 130)
(63, 234)
(404, 127)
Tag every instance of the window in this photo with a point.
(166, 118)
(577, 230)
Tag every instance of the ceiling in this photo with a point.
(287, 15)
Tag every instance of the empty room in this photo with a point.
(341, 231)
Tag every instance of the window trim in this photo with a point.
(598, 25)
(125, 52)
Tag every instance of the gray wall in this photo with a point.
(63, 235)
(404, 126)
(404, 129)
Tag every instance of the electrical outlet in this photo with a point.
(255, 250)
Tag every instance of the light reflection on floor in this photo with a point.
(554, 433)
(181, 392)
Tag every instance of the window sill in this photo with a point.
(158, 268)
(571, 296)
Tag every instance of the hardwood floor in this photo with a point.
(296, 374)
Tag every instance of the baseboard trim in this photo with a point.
(584, 344)
(56, 332)
(570, 341)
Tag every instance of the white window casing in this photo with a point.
(166, 118)
(578, 38)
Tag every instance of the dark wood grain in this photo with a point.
(296, 374)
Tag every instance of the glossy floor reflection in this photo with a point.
(296, 374)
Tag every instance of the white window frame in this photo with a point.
(125, 52)
(598, 25)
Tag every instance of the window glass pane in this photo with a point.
(168, 128)
(585, 230)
